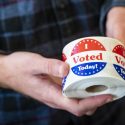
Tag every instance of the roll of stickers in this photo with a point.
(97, 66)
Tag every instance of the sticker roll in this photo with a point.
(96, 71)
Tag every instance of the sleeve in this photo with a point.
(107, 5)
(3, 52)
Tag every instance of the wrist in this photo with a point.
(115, 23)
(2, 71)
(116, 13)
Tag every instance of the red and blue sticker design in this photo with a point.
(87, 69)
(120, 70)
(90, 68)
(120, 50)
(87, 45)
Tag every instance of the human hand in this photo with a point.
(29, 73)
(115, 24)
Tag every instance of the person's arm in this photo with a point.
(112, 19)
(28, 73)
(115, 24)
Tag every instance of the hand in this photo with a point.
(115, 24)
(29, 73)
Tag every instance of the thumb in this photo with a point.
(53, 67)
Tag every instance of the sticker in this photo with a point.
(120, 70)
(120, 50)
(87, 69)
(87, 45)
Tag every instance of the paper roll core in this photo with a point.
(96, 88)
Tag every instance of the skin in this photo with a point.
(36, 76)
(115, 25)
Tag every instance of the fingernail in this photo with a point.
(63, 70)
(89, 113)
(109, 100)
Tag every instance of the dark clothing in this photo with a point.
(45, 27)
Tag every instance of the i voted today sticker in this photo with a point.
(89, 68)
(120, 50)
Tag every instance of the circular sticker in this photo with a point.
(87, 45)
(120, 50)
(90, 68)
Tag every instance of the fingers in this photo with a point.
(51, 94)
(56, 79)
(52, 67)
(36, 64)
(55, 67)
(81, 107)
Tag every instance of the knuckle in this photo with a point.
(48, 66)
(52, 67)
(64, 69)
